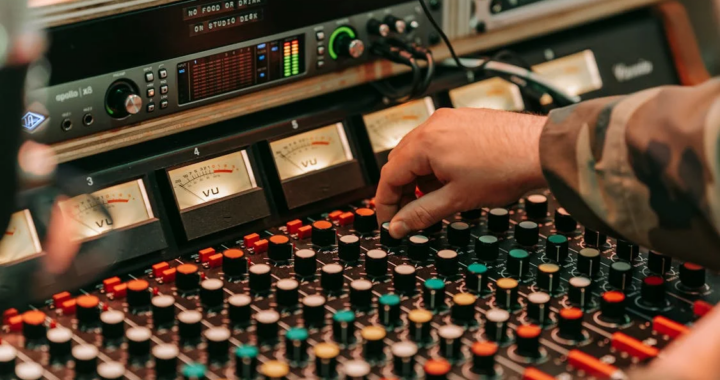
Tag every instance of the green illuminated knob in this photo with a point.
(344, 42)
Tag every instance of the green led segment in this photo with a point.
(291, 58)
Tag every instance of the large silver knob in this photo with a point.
(133, 104)
(356, 48)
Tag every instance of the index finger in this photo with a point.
(403, 169)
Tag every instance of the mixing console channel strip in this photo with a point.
(517, 292)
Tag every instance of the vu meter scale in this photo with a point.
(310, 151)
(213, 179)
(126, 203)
(387, 127)
(20, 239)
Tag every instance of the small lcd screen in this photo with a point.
(311, 151)
(217, 178)
(241, 68)
(20, 239)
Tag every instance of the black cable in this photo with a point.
(396, 51)
(444, 36)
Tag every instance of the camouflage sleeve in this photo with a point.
(644, 167)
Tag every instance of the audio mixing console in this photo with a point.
(517, 292)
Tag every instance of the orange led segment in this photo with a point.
(668, 327)
(633, 347)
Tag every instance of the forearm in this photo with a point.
(643, 167)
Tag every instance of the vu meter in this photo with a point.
(577, 74)
(20, 239)
(494, 93)
(387, 127)
(310, 151)
(213, 179)
(126, 203)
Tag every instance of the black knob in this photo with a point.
(471, 215)
(122, 100)
(234, 263)
(349, 248)
(518, 264)
(246, 362)
(570, 324)
(385, 238)
(484, 358)
(374, 342)
(487, 248)
(556, 248)
(589, 262)
(538, 308)
(498, 220)
(612, 307)
(296, 344)
(434, 294)
(447, 262)
(659, 263)
(496, 325)
(378, 28)
(212, 294)
(344, 327)
(280, 249)
(189, 326)
(376, 263)
(536, 207)
(692, 275)
(138, 341)
(163, 311)
(323, 233)
(218, 344)
(397, 25)
(113, 326)
(458, 234)
(287, 293)
(564, 222)
(361, 294)
(528, 341)
(404, 280)
(165, 357)
(620, 276)
(239, 309)
(419, 328)
(88, 311)
(356, 370)
(305, 263)
(60, 342)
(580, 292)
(627, 251)
(8, 357)
(450, 337)
(331, 277)
(548, 277)
(418, 248)
(267, 326)
(594, 239)
(404, 359)
(85, 358)
(314, 310)
(463, 309)
(526, 233)
(33, 326)
(187, 278)
(138, 295)
(29, 371)
(476, 279)
(652, 291)
(260, 278)
(389, 310)
(365, 221)
(506, 294)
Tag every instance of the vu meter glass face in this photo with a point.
(127, 205)
(577, 74)
(310, 151)
(494, 93)
(20, 239)
(386, 128)
(209, 180)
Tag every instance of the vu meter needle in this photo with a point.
(191, 192)
(291, 161)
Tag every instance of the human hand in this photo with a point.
(461, 159)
